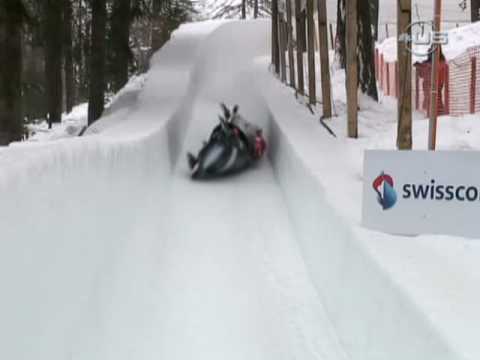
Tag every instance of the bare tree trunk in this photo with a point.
(432, 133)
(283, 47)
(300, 27)
(291, 61)
(275, 40)
(121, 20)
(366, 52)
(374, 16)
(312, 94)
(255, 9)
(68, 55)
(324, 58)
(352, 67)
(11, 128)
(404, 129)
(53, 60)
(158, 37)
(97, 61)
(244, 9)
(475, 9)
(341, 33)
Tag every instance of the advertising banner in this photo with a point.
(422, 192)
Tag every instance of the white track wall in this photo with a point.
(69, 269)
(374, 319)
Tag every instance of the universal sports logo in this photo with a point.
(385, 189)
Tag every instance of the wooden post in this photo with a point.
(473, 83)
(417, 90)
(291, 61)
(397, 82)
(432, 134)
(324, 58)
(312, 96)
(300, 40)
(404, 72)
(282, 47)
(275, 45)
(447, 90)
(382, 73)
(386, 31)
(475, 10)
(387, 75)
(332, 36)
(352, 70)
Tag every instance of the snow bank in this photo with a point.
(373, 316)
(75, 283)
(388, 296)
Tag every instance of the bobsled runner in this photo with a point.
(234, 145)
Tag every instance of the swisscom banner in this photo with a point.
(421, 192)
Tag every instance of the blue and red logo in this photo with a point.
(386, 194)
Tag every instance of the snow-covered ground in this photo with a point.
(76, 121)
(109, 251)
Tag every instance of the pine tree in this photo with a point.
(341, 34)
(365, 49)
(475, 10)
(97, 61)
(12, 15)
(234, 9)
(68, 56)
(121, 54)
(374, 15)
(366, 52)
(53, 59)
(167, 16)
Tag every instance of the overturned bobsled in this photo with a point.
(234, 145)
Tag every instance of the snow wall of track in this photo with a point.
(76, 281)
(374, 319)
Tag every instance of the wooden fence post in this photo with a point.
(387, 75)
(447, 90)
(473, 84)
(291, 61)
(324, 58)
(382, 73)
(417, 90)
(403, 70)
(282, 46)
(275, 45)
(432, 125)
(311, 54)
(332, 37)
(300, 40)
(352, 70)
(397, 80)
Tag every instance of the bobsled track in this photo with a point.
(109, 251)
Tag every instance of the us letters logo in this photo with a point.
(386, 194)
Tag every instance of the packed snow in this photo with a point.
(109, 251)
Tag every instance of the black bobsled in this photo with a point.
(233, 146)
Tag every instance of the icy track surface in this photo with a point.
(113, 253)
(233, 282)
